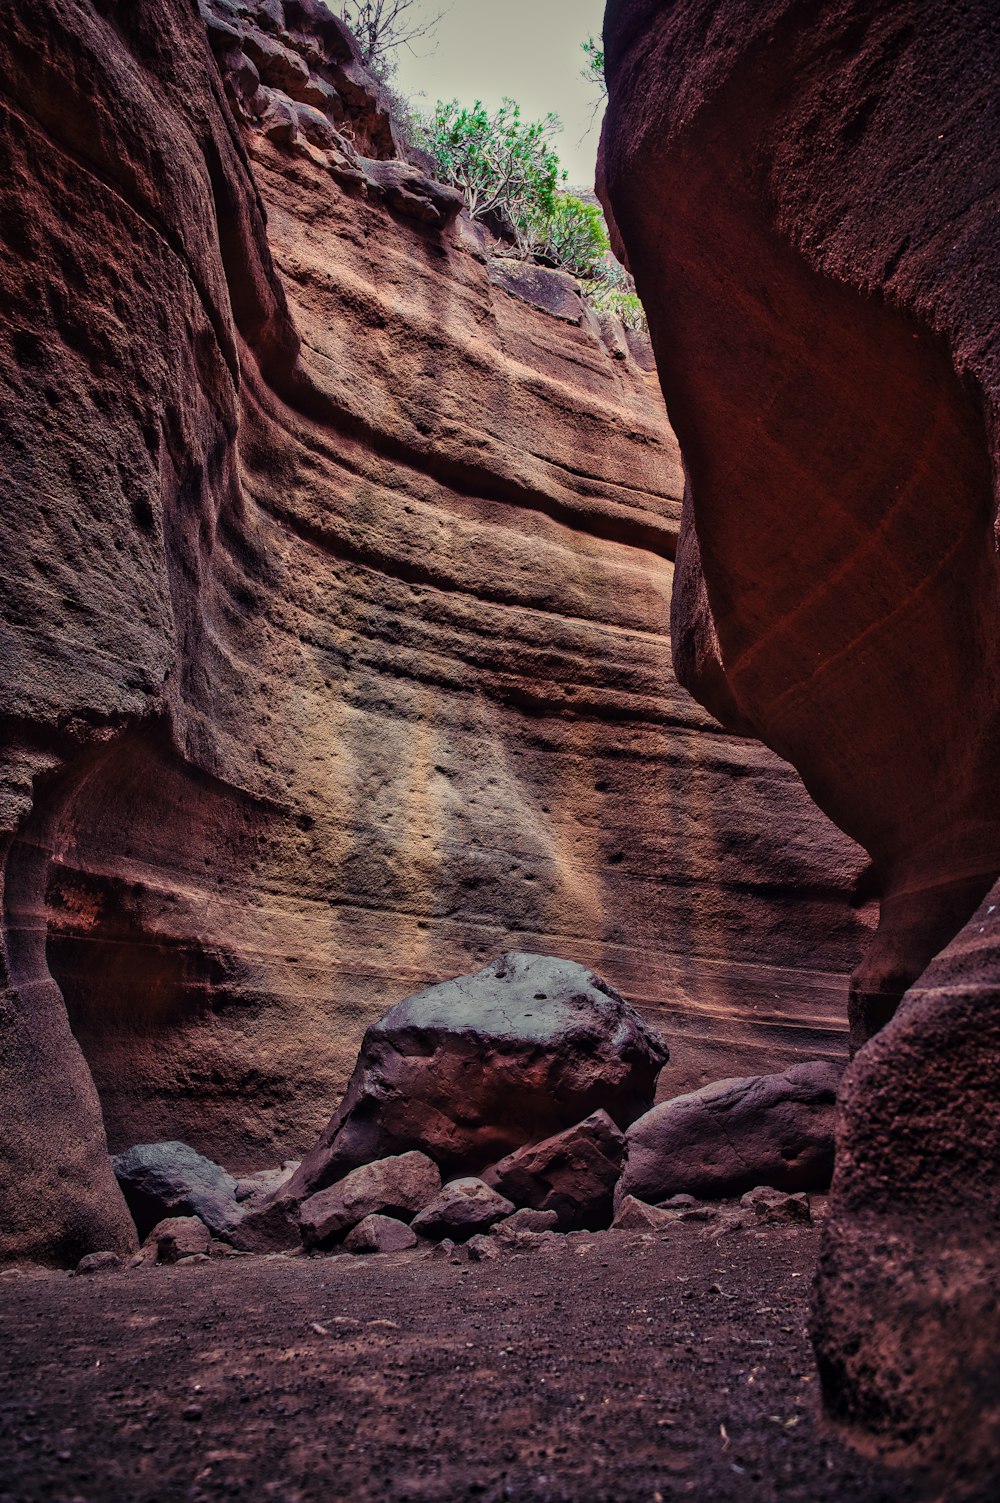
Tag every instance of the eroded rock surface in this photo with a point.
(335, 593)
(807, 198)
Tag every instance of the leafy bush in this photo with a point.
(612, 291)
(504, 167)
(573, 235)
(510, 176)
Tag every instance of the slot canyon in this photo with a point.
(556, 833)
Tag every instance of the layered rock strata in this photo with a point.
(808, 200)
(337, 564)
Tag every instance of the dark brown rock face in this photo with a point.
(572, 1174)
(807, 197)
(335, 654)
(734, 1134)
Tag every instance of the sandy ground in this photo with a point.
(599, 1367)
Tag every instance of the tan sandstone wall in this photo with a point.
(337, 594)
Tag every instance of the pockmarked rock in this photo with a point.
(471, 1069)
(380, 1234)
(748, 181)
(464, 1208)
(573, 1174)
(733, 1135)
(396, 1186)
(171, 1179)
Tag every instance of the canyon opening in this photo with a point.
(498, 894)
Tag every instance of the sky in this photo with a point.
(527, 49)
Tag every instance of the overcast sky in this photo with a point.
(527, 49)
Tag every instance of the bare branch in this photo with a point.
(383, 26)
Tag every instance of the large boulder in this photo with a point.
(733, 1135)
(573, 1174)
(471, 1069)
(397, 1187)
(160, 1180)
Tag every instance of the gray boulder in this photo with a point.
(573, 1174)
(397, 1186)
(734, 1135)
(379, 1234)
(170, 1179)
(464, 1208)
(471, 1069)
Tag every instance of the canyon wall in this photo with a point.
(807, 195)
(337, 572)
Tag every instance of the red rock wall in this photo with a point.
(337, 586)
(808, 198)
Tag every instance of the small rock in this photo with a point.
(278, 65)
(176, 1238)
(526, 1220)
(464, 1207)
(678, 1202)
(380, 1234)
(397, 1186)
(315, 127)
(98, 1262)
(268, 1226)
(636, 1216)
(278, 121)
(217, 1249)
(265, 1182)
(483, 1249)
(442, 1250)
(728, 1137)
(774, 1207)
(411, 193)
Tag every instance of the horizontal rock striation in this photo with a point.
(337, 569)
(808, 200)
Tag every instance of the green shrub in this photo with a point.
(573, 235)
(505, 168)
(611, 290)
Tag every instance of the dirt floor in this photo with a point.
(608, 1367)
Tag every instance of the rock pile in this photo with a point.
(464, 1070)
(472, 1069)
